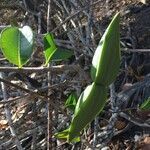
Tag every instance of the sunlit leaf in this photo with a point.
(49, 47)
(106, 59)
(17, 44)
(52, 52)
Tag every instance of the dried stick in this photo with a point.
(49, 116)
(8, 117)
(34, 134)
(106, 136)
(57, 69)
(134, 50)
(132, 119)
(74, 14)
(34, 94)
(95, 132)
(11, 100)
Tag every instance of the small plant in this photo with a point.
(105, 66)
(17, 46)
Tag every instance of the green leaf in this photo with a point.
(64, 135)
(60, 55)
(71, 101)
(17, 44)
(49, 47)
(52, 52)
(145, 105)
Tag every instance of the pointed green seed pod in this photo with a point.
(106, 60)
(90, 103)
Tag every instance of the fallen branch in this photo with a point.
(132, 119)
(33, 93)
(59, 68)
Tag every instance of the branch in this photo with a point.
(74, 14)
(132, 119)
(59, 68)
(33, 93)
(49, 113)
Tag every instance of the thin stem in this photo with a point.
(48, 15)
(95, 132)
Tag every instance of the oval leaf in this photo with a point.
(17, 44)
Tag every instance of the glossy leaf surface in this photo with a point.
(17, 44)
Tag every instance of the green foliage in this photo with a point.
(71, 101)
(64, 134)
(52, 52)
(145, 105)
(49, 47)
(17, 44)
(17, 47)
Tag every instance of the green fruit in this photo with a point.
(106, 60)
